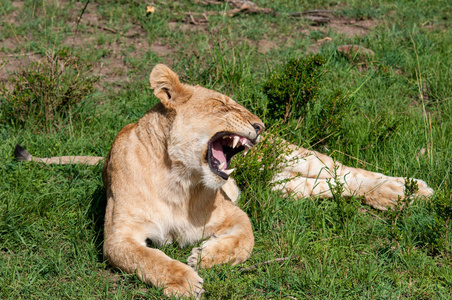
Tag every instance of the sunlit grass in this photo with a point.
(399, 122)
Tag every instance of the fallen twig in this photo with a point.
(250, 9)
(316, 16)
(267, 263)
(312, 12)
(103, 28)
(21, 54)
(357, 159)
(198, 21)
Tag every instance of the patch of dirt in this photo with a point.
(112, 276)
(114, 66)
(313, 49)
(186, 27)
(351, 27)
(340, 25)
(11, 63)
(162, 50)
(348, 27)
(265, 46)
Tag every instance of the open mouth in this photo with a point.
(222, 147)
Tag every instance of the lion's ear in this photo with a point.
(167, 87)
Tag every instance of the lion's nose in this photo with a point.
(258, 127)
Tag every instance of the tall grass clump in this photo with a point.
(45, 93)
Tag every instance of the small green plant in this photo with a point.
(256, 169)
(345, 208)
(46, 91)
(414, 226)
(290, 87)
(401, 209)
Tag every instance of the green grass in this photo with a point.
(400, 102)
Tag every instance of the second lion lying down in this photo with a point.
(167, 179)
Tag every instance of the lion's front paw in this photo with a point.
(221, 250)
(201, 256)
(183, 281)
(195, 258)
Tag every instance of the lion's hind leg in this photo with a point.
(309, 173)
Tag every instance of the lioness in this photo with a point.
(167, 180)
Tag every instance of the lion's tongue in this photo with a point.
(217, 153)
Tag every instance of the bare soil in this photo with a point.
(113, 67)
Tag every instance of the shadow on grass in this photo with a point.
(97, 214)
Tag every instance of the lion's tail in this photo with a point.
(23, 155)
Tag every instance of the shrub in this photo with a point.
(329, 114)
(293, 94)
(290, 87)
(46, 91)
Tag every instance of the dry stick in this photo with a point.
(311, 12)
(357, 159)
(80, 17)
(324, 138)
(267, 263)
(21, 54)
(375, 215)
(102, 27)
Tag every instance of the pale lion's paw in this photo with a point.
(424, 189)
(200, 256)
(387, 193)
(183, 281)
(195, 258)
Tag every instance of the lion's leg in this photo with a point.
(232, 241)
(378, 193)
(308, 171)
(152, 265)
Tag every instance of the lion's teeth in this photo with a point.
(229, 171)
(246, 150)
(222, 165)
(236, 141)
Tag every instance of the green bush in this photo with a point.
(46, 92)
(290, 87)
(292, 91)
(329, 113)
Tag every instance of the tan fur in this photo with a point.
(312, 173)
(161, 189)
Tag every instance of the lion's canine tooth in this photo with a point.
(229, 171)
(221, 166)
(246, 150)
(236, 140)
(248, 144)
